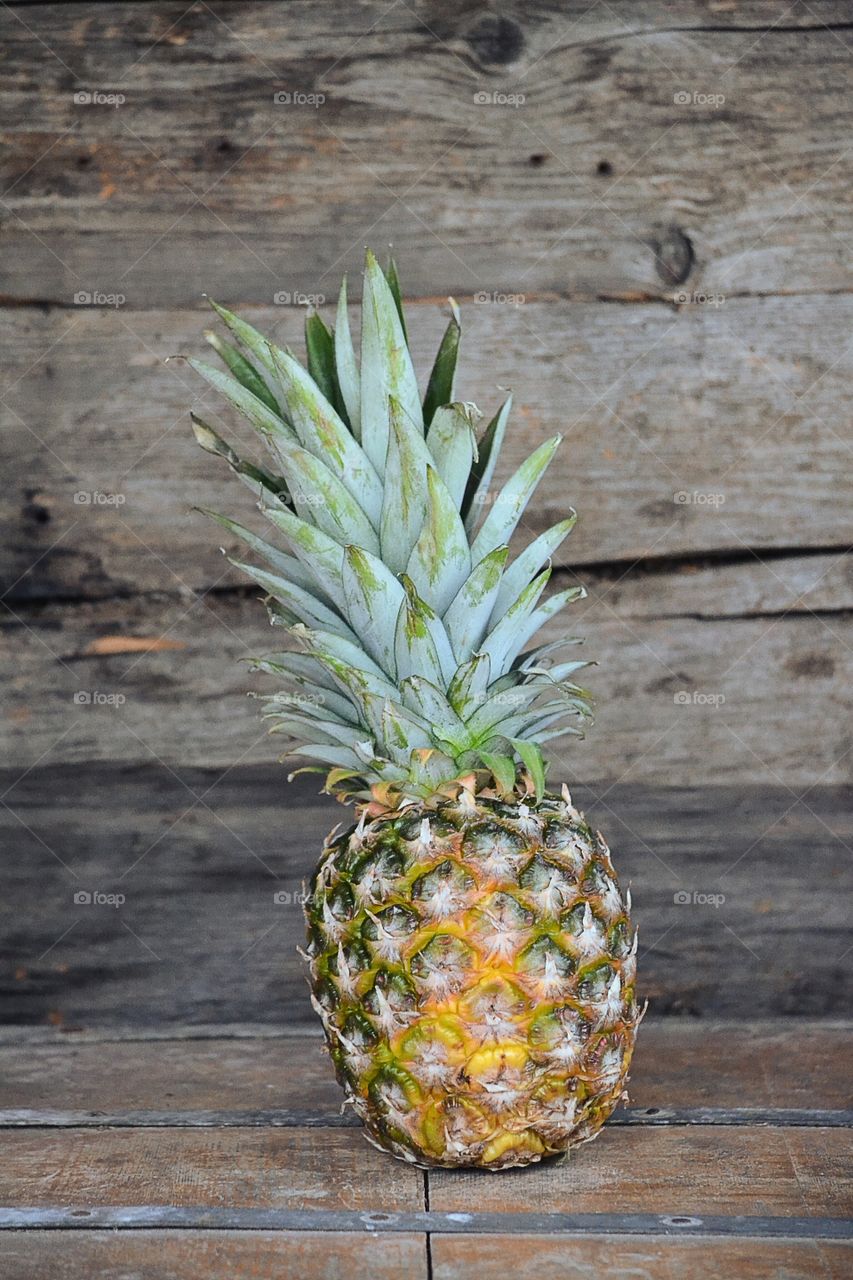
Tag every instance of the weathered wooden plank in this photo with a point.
(709, 429)
(731, 1171)
(602, 181)
(200, 937)
(741, 700)
(678, 1064)
(219, 1255)
(288, 1169)
(531, 1257)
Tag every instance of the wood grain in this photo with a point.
(599, 183)
(678, 1064)
(276, 1168)
(532, 1258)
(688, 432)
(219, 1255)
(201, 939)
(778, 1173)
(732, 1171)
(742, 700)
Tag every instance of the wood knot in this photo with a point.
(674, 256)
(495, 40)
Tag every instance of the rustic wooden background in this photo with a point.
(644, 211)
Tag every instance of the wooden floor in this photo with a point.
(227, 1155)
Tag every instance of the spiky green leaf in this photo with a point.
(440, 561)
(443, 376)
(453, 444)
(508, 506)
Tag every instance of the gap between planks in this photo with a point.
(157, 1217)
(295, 1118)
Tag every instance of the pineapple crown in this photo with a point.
(407, 675)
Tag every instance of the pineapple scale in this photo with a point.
(473, 965)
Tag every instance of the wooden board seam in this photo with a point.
(148, 1217)
(287, 1118)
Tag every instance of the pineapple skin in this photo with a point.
(473, 965)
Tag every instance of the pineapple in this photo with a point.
(471, 955)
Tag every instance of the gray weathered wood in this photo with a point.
(681, 700)
(740, 410)
(692, 1065)
(600, 183)
(284, 1169)
(201, 938)
(531, 1257)
(215, 1255)
(731, 1171)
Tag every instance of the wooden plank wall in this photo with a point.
(644, 212)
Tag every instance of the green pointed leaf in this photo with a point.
(243, 370)
(406, 498)
(483, 468)
(441, 560)
(401, 734)
(349, 379)
(396, 293)
(469, 685)
(508, 506)
(528, 563)
(531, 758)
(255, 477)
(373, 597)
(320, 349)
(386, 366)
(321, 499)
(467, 617)
(300, 667)
(348, 662)
(306, 606)
(503, 769)
(262, 418)
(428, 701)
(343, 757)
(321, 554)
(528, 627)
(286, 566)
(453, 444)
(247, 336)
(501, 640)
(322, 433)
(421, 646)
(441, 381)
